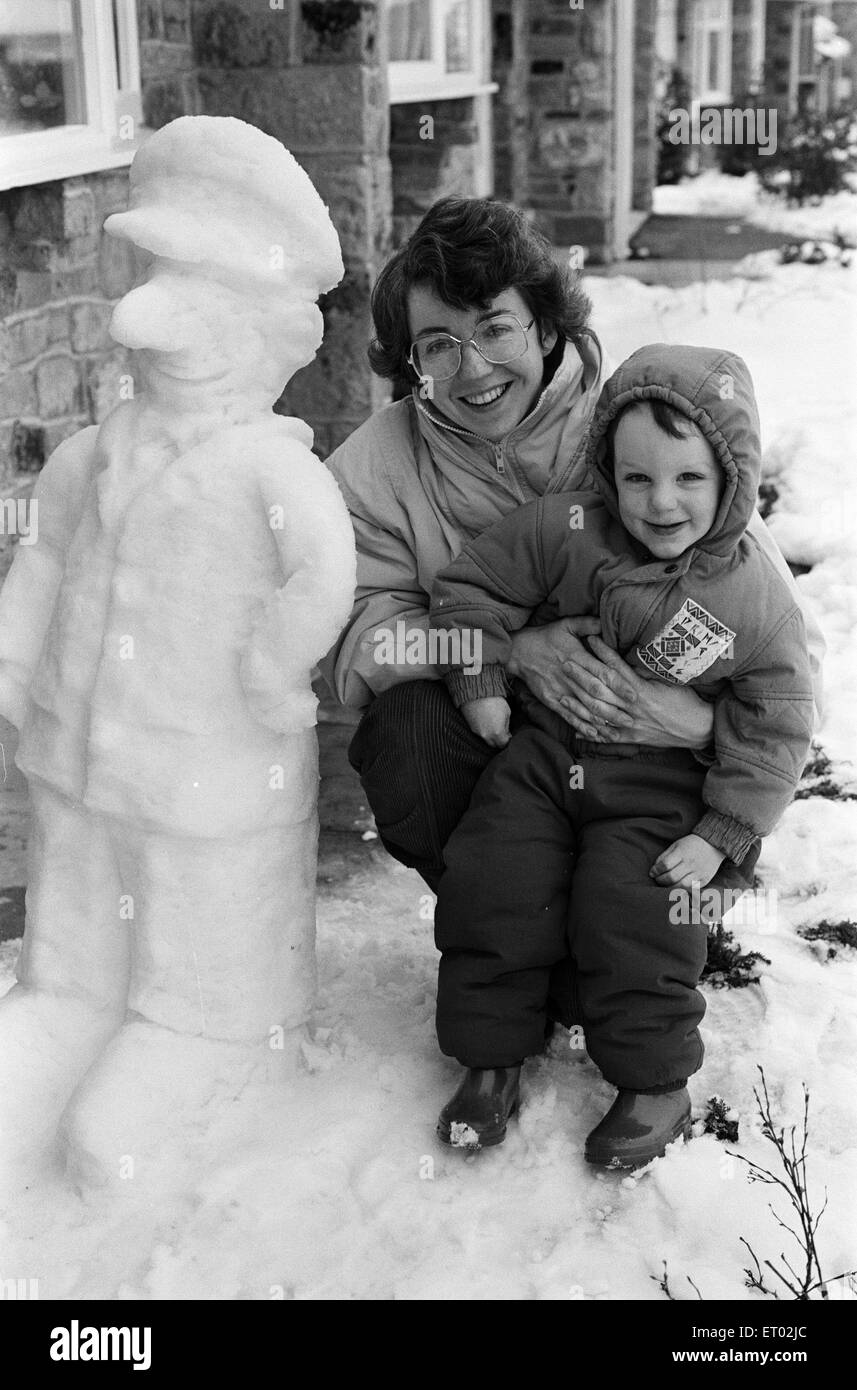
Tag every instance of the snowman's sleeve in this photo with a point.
(311, 529)
(365, 659)
(29, 593)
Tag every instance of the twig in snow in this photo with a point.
(800, 1284)
(664, 1284)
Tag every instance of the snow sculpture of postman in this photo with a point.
(193, 561)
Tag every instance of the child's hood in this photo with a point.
(713, 389)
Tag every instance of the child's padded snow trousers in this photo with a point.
(551, 858)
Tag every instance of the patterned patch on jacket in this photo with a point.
(691, 642)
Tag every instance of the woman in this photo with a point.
(491, 337)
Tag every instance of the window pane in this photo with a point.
(458, 36)
(40, 67)
(409, 31)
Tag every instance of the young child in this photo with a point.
(578, 848)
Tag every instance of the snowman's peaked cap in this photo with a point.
(215, 190)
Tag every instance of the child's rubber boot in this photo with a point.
(638, 1127)
(476, 1116)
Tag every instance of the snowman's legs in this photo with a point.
(223, 975)
(72, 973)
(224, 930)
(78, 937)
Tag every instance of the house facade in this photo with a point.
(388, 104)
(788, 55)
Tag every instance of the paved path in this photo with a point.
(692, 238)
(681, 250)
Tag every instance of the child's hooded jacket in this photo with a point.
(719, 617)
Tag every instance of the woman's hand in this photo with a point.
(667, 716)
(599, 695)
(558, 669)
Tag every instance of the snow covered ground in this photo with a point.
(334, 1187)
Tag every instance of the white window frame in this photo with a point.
(427, 79)
(706, 25)
(102, 142)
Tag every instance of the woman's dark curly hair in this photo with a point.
(468, 250)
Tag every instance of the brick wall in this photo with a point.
(568, 89)
(59, 369)
(645, 102)
(308, 74)
(501, 63)
(779, 19)
(311, 75)
(166, 61)
(684, 36)
(743, 76)
(433, 153)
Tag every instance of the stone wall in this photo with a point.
(645, 174)
(568, 96)
(567, 84)
(308, 74)
(745, 82)
(433, 153)
(60, 276)
(779, 21)
(311, 75)
(166, 61)
(684, 36)
(501, 63)
(571, 106)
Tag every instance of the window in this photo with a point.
(714, 52)
(69, 88)
(41, 69)
(437, 49)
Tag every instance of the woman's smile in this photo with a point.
(476, 398)
(482, 400)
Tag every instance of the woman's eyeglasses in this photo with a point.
(498, 340)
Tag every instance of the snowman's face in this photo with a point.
(193, 328)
